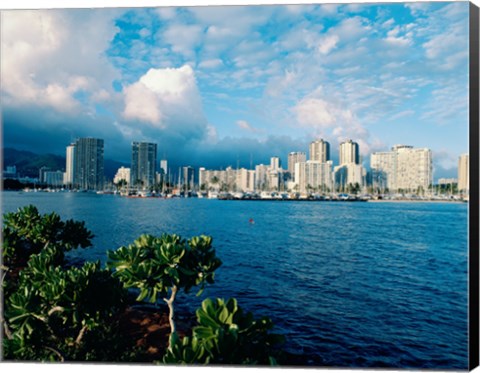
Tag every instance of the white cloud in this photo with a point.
(182, 38)
(166, 99)
(50, 61)
(328, 43)
(244, 125)
(211, 64)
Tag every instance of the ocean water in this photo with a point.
(348, 284)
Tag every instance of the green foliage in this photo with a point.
(54, 311)
(26, 232)
(225, 335)
(156, 264)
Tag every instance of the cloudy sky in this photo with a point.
(217, 86)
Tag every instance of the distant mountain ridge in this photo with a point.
(29, 163)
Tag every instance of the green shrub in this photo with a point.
(26, 232)
(225, 335)
(54, 309)
(158, 265)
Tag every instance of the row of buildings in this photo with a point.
(403, 168)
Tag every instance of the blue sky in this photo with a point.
(214, 86)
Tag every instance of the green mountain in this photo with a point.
(29, 164)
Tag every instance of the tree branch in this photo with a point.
(80, 335)
(56, 352)
(170, 307)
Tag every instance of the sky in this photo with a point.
(234, 85)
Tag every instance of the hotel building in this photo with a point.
(463, 167)
(313, 176)
(144, 160)
(88, 164)
(350, 171)
(319, 151)
(293, 158)
(404, 168)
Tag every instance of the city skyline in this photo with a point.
(171, 76)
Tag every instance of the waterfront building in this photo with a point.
(403, 168)
(211, 179)
(349, 153)
(447, 181)
(319, 151)
(313, 176)
(69, 177)
(41, 174)
(275, 163)
(143, 166)
(463, 174)
(187, 177)
(10, 172)
(88, 164)
(349, 174)
(261, 177)
(164, 166)
(293, 158)
(53, 178)
(123, 173)
(245, 180)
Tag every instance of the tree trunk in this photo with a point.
(170, 307)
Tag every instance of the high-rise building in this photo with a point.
(123, 173)
(164, 166)
(54, 178)
(405, 168)
(349, 153)
(188, 174)
(144, 160)
(69, 177)
(463, 174)
(349, 174)
(89, 164)
(295, 157)
(320, 151)
(313, 176)
(275, 163)
(261, 177)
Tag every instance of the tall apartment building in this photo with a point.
(463, 174)
(69, 176)
(188, 177)
(314, 176)
(275, 163)
(350, 171)
(123, 173)
(319, 151)
(164, 166)
(349, 152)
(295, 157)
(88, 164)
(405, 168)
(143, 166)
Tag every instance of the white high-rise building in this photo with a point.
(123, 173)
(295, 157)
(275, 163)
(463, 174)
(349, 174)
(69, 175)
(313, 176)
(405, 168)
(164, 166)
(349, 152)
(319, 151)
(261, 177)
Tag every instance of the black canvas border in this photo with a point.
(474, 278)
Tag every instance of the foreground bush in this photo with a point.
(158, 265)
(55, 311)
(26, 232)
(225, 335)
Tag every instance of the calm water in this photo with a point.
(348, 284)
